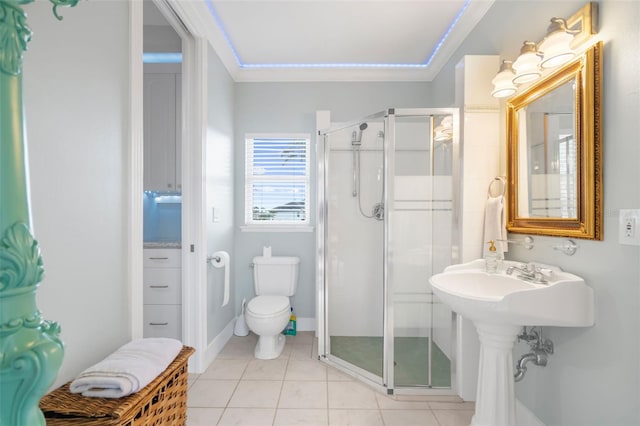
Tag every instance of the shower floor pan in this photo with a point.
(411, 355)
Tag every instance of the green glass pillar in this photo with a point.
(31, 351)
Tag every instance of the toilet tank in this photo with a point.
(275, 275)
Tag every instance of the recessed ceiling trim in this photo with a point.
(224, 32)
(242, 64)
(465, 20)
(444, 37)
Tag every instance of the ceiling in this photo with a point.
(338, 40)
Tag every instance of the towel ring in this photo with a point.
(502, 181)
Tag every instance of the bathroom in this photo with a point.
(591, 378)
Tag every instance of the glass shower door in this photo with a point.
(354, 236)
(419, 245)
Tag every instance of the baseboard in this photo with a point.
(306, 324)
(525, 417)
(217, 344)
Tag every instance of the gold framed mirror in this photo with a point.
(554, 166)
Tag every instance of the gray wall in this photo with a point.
(593, 377)
(76, 99)
(291, 108)
(219, 189)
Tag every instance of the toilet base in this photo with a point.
(270, 347)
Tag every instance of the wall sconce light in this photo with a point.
(527, 66)
(554, 50)
(503, 82)
(556, 46)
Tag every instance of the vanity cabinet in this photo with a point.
(162, 310)
(162, 129)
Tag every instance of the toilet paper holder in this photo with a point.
(220, 259)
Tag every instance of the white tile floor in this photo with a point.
(297, 389)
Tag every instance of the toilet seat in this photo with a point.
(268, 306)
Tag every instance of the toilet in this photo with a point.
(275, 279)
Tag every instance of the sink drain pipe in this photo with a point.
(540, 349)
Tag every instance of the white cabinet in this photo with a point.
(162, 321)
(162, 313)
(162, 129)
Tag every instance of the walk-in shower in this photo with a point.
(386, 223)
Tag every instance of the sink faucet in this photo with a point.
(531, 272)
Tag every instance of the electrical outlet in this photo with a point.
(628, 232)
(629, 227)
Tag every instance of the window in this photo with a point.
(277, 180)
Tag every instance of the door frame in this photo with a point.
(194, 59)
(324, 126)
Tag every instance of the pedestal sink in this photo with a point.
(499, 306)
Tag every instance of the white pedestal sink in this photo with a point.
(499, 306)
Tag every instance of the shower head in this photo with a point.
(356, 138)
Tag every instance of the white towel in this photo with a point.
(495, 226)
(128, 369)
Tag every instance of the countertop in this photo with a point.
(162, 244)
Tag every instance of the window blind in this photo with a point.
(277, 180)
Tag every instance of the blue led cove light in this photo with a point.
(241, 64)
(162, 58)
(446, 33)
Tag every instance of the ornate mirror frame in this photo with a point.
(586, 72)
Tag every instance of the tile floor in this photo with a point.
(297, 389)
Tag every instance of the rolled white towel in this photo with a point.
(128, 369)
(495, 226)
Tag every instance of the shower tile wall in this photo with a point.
(422, 228)
(356, 292)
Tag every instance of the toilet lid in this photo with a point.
(267, 306)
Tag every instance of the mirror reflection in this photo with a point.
(549, 148)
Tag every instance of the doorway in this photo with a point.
(189, 165)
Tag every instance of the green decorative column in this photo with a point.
(30, 350)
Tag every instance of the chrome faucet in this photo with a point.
(531, 272)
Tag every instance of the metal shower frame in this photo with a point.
(386, 383)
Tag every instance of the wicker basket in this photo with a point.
(161, 402)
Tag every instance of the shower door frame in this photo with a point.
(385, 383)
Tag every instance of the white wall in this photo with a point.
(219, 190)
(593, 376)
(76, 101)
(291, 108)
